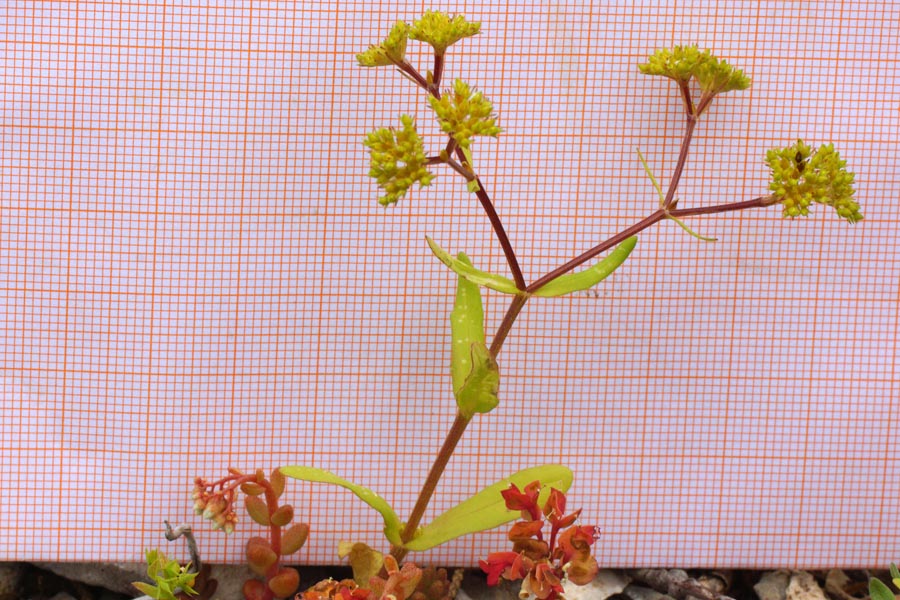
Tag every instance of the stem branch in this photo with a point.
(434, 476)
(653, 218)
(682, 159)
(509, 318)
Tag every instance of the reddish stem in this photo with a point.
(655, 217)
(437, 75)
(682, 160)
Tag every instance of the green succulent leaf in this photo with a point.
(470, 273)
(801, 176)
(391, 51)
(464, 113)
(576, 282)
(479, 392)
(392, 525)
(168, 575)
(682, 63)
(442, 31)
(487, 509)
(397, 160)
(895, 575)
(466, 327)
(878, 590)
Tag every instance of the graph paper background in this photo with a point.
(194, 273)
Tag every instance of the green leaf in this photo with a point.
(693, 233)
(649, 173)
(575, 282)
(879, 590)
(487, 509)
(478, 393)
(470, 273)
(466, 327)
(146, 589)
(392, 525)
(168, 576)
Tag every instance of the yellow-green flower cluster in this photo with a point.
(801, 177)
(442, 31)
(714, 75)
(389, 52)
(398, 160)
(464, 113)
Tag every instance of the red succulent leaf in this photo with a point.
(543, 582)
(582, 571)
(576, 541)
(519, 568)
(566, 521)
(523, 530)
(533, 549)
(555, 504)
(524, 500)
(496, 564)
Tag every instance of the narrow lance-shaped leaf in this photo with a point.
(474, 372)
(392, 525)
(466, 327)
(487, 509)
(476, 276)
(576, 282)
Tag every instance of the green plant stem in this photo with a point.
(518, 303)
(515, 308)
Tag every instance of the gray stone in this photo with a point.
(639, 592)
(607, 583)
(10, 575)
(773, 585)
(475, 587)
(117, 577)
(231, 580)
